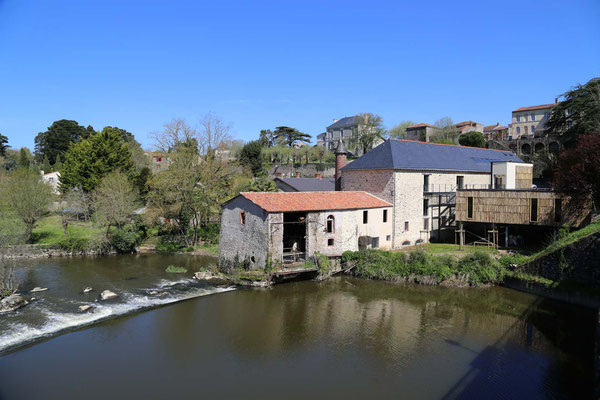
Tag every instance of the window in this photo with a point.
(545, 115)
(518, 118)
(159, 159)
(557, 210)
(388, 238)
(534, 210)
(526, 129)
(406, 226)
(330, 242)
(532, 116)
(365, 217)
(460, 181)
(426, 224)
(342, 133)
(425, 183)
(518, 130)
(469, 208)
(243, 217)
(375, 242)
(425, 207)
(532, 129)
(498, 181)
(330, 226)
(384, 215)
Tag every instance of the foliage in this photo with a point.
(290, 136)
(447, 132)
(3, 145)
(49, 231)
(74, 244)
(472, 139)
(58, 164)
(399, 130)
(262, 184)
(514, 259)
(88, 161)
(565, 240)
(578, 170)
(251, 157)
(125, 239)
(267, 138)
(370, 129)
(176, 270)
(46, 167)
(578, 114)
(476, 269)
(29, 197)
(24, 158)
(58, 138)
(114, 200)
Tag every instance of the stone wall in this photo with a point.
(305, 170)
(579, 262)
(246, 241)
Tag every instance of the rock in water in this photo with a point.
(84, 308)
(107, 295)
(38, 289)
(87, 289)
(12, 302)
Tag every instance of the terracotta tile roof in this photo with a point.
(420, 126)
(466, 123)
(535, 107)
(313, 201)
(496, 127)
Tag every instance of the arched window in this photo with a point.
(330, 228)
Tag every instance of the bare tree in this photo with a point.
(174, 133)
(114, 200)
(213, 134)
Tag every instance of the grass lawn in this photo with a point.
(49, 230)
(572, 237)
(448, 248)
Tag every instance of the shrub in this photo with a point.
(74, 244)
(124, 240)
(176, 270)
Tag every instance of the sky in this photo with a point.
(260, 64)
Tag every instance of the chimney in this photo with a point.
(366, 118)
(319, 176)
(297, 174)
(340, 162)
(556, 100)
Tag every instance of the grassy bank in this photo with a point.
(475, 269)
(567, 238)
(49, 231)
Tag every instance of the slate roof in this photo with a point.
(535, 107)
(309, 184)
(314, 201)
(344, 122)
(413, 155)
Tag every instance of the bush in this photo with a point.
(74, 244)
(176, 270)
(124, 240)
(209, 233)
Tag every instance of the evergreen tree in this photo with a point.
(23, 158)
(58, 163)
(290, 136)
(251, 156)
(90, 160)
(46, 165)
(472, 139)
(3, 145)
(57, 139)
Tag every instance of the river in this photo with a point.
(168, 336)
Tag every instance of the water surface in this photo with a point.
(343, 338)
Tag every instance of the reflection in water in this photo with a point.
(343, 338)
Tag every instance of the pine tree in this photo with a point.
(46, 165)
(58, 163)
(23, 158)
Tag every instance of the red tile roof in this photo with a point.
(496, 127)
(535, 107)
(313, 201)
(420, 126)
(465, 123)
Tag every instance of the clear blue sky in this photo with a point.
(137, 64)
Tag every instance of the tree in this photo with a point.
(290, 136)
(114, 200)
(57, 164)
(46, 165)
(3, 145)
(320, 153)
(472, 139)
(125, 136)
(262, 184)
(24, 158)
(267, 138)
(29, 196)
(213, 134)
(370, 130)
(578, 114)
(57, 139)
(90, 160)
(177, 132)
(447, 132)
(399, 131)
(578, 170)
(251, 157)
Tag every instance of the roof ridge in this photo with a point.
(455, 145)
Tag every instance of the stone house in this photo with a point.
(159, 161)
(347, 129)
(420, 180)
(495, 132)
(288, 227)
(468, 126)
(530, 121)
(421, 132)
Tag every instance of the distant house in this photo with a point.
(158, 160)
(495, 132)
(290, 227)
(52, 179)
(468, 126)
(530, 121)
(348, 129)
(421, 132)
(317, 184)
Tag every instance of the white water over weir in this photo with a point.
(43, 318)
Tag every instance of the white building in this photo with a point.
(52, 179)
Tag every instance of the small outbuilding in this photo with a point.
(289, 227)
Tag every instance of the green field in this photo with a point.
(447, 248)
(49, 230)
